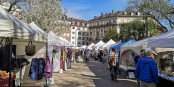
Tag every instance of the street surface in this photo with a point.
(93, 74)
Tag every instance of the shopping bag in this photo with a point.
(30, 49)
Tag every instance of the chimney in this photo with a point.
(113, 11)
(101, 14)
(95, 17)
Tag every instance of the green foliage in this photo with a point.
(111, 34)
(137, 30)
(160, 10)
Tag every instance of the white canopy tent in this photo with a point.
(96, 46)
(110, 42)
(90, 46)
(16, 29)
(165, 40)
(40, 31)
(66, 42)
(54, 40)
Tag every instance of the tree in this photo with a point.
(138, 30)
(12, 3)
(111, 34)
(160, 10)
(47, 14)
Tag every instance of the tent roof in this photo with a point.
(42, 33)
(90, 46)
(66, 42)
(119, 45)
(108, 43)
(54, 40)
(165, 40)
(99, 44)
(37, 29)
(19, 29)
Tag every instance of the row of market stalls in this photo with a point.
(162, 45)
(29, 44)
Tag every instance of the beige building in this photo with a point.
(99, 26)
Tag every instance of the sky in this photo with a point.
(87, 9)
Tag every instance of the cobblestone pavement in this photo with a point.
(93, 74)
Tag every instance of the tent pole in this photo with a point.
(9, 63)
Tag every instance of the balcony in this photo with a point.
(103, 25)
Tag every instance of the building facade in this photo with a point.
(99, 26)
(79, 32)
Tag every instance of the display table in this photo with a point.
(125, 69)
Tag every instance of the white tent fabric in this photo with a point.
(66, 42)
(96, 46)
(40, 31)
(54, 40)
(90, 46)
(56, 64)
(136, 46)
(151, 42)
(6, 27)
(19, 29)
(107, 44)
(164, 40)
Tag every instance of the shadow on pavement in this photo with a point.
(102, 76)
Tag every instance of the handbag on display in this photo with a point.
(30, 49)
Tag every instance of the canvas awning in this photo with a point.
(54, 40)
(165, 40)
(90, 46)
(107, 44)
(118, 47)
(96, 46)
(18, 29)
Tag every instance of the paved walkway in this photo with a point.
(93, 74)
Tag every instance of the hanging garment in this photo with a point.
(48, 69)
(56, 63)
(37, 69)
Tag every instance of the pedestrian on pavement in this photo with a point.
(101, 56)
(113, 62)
(77, 56)
(146, 70)
(142, 55)
(87, 56)
(69, 56)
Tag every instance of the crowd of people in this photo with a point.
(146, 67)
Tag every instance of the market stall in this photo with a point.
(123, 69)
(21, 35)
(165, 60)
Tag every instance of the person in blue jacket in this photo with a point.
(146, 70)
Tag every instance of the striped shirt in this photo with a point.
(115, 56)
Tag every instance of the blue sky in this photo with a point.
(87, 9)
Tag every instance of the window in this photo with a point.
(73, 37)
(73, 32)
(79, 43)
(78, 23)
(64, 34)
(83, 24)
(67, 34)
(73, 23)
(79, 33)
(79, 38)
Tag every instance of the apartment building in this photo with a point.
(79, 32)
(99, 26)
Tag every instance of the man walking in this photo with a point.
(113, 63)
(85, 54)
(146, 70)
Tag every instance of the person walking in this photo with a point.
(113, 63)
(101, 55)
(69, 56)
(146, 70)
(87, 56)
(142, 55)
(76, 56)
